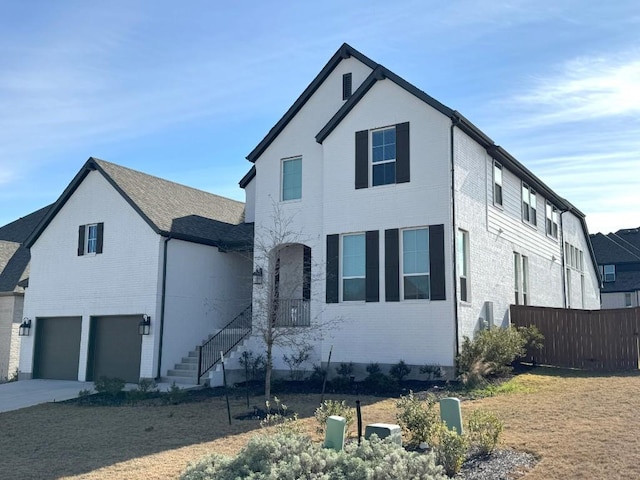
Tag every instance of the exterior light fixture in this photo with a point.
(25, 327)
(144, 327)
(257, 276)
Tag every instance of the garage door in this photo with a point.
(114, 348)
(57, 348)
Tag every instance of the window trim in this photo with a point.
(364, 266)
(463, 265)
(404, 275)
(611, 274)
(283, 161)
(552, 222)
(97, 241)
(531, 217)
(383, 162)
(516, 276)
(498, 166)
(91, 242)
(628, 300)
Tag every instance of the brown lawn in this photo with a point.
(581, 426)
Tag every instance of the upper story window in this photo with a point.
(521, 278)
(292, 179)
(415, 264)
(609, 273)
(529, 212)
(552, 215)
(497, 184)
(382, 156)
(90, 239)
(346, 86)
(353, 267)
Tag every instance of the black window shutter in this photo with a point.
(81, 240)
(306, 269)
(332, 280)
(392, 265)
(436, 262)
(372, 253)
(362, 159)
(99, 239)
(346, 86)
(402, 153)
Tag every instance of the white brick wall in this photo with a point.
(10, 319)
(123, 280)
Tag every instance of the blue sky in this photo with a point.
(185, 90)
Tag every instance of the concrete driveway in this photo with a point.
(26, 393)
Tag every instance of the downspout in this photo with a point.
(562, 262)
(454, 122)
(162, 304)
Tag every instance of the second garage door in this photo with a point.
(114, 348)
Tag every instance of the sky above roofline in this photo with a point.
(186, 91)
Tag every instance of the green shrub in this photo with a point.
(295, 361)
(175, 395)
(399, 371)
(484, 429)
(278, 418)
(419, 417)
(83, 396)
(450, 449)
(377, 381)
(292, 457)
(110, 386)
(147, 386)
(317, 375)
(492, 352)
(432, 371)
(333, 407)
(254, 366)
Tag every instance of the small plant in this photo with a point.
(278, 418)
(399, 371)
(254, 366)
(295, 361)
(376, 380)
(419, 417)
(333, 407)
(175, 394)
(484, 431)
(317, 375)
(432, 371)
(450, 449)
(343, 381)
(147, 385)
(110, 386)
(83, 396)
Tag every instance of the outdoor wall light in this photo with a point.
(257, 276)
(25, 327)
(144, 327)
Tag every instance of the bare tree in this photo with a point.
(282, 304)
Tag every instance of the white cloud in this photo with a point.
(585, 88)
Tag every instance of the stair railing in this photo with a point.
(223, 341)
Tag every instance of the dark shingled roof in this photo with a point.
(170, 209)
(14, 258)
(621, 249)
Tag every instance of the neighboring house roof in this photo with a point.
(170, 209)
(621, 249)
(14, 258)
(381, 73)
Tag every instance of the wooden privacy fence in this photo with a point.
(586, 339)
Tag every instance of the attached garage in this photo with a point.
(57, 348)
(115, 347)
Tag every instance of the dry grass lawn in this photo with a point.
(581, 426)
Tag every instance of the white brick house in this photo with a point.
(415, 228)
(119, 247)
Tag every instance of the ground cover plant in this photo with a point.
(580, 425)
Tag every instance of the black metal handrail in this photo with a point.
(223, 341)
(292, 312)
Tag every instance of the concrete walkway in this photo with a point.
(27, 393)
